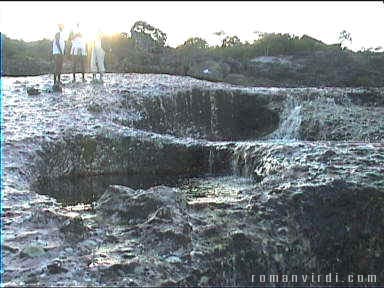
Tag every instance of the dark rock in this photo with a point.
(47, 216)
(33, 91)
(55, 267)
(336, 218)
(118, 270)
(74, 229)
(57, 88)
(10, 248)
(368, 98)
(328, 155)
(168, 283)
(138, 206)
(95, 108)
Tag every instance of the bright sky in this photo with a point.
(180, 20)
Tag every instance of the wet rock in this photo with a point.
(176, 237)
(89, 243)
(128, 255)
(160, 215)
(340, 209)
(10, 248)
(369, 98)
(204, 281)
(33, 91)
(316, 208)
(328, 155)
(56, 267)
(173, 259)
(116, 270)
(74, 229)
(137, 206)
(168, 283)
(196, 254)
(209, 230)
(57, 88)
(130, 282)
(32, 251)
(69, 250)
(95, 107)
(47, 216)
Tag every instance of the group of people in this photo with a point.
(76, 47)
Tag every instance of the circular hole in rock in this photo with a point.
(75, 190)
(204, 188)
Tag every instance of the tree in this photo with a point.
(195, 42)
(344, 36)
(264, 38)
(147, 37)
(231, 41)
(259, 34)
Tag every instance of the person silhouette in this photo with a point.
(78, 51)
(97, 57)
(58, 48)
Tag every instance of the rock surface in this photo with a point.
(239, 208)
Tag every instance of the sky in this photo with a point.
(323, 20)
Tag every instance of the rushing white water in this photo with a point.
(213, 123)
(289, 129)
(211, 161)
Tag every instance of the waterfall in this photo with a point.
(242, 163)
(211, 161)
(213, 120)
(290, 125)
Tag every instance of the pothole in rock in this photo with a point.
(63, 169)
(202, 191)
(75, 190)
(205, 114)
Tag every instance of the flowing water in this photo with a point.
(289, 127)
(91, 107)
(237, 154)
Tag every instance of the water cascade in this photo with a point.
(289, 127)
(207, 114)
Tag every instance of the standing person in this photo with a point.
(78, 52)
(58, 47)
(97, 57)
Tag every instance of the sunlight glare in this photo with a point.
(181, 20)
